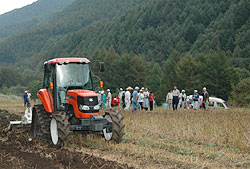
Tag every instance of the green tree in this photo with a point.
(217, 74)
(153, 80)
(240, 95)
(169, 77)
(34, 86)
(188, 73)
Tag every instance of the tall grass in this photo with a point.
(220, 127)
(180, 139)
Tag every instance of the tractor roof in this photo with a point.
(68, 60)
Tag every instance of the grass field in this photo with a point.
(166, 139)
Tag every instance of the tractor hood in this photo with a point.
(81, 92)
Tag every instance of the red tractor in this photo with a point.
(70, 104)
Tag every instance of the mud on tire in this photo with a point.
(62, 127)
(117, 125)
(40, 123)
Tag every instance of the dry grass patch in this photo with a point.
(182, 139)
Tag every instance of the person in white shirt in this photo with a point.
(176, 94)
(120, 95)
(169, 99)
(146, 99)
(109, 99)
(182, 100)
(128, 97)
(140, 99)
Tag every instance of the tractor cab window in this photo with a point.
(71, 76)
(48, 78)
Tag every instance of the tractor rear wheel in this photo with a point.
(116, 118)
(40, 123)
(59, 129)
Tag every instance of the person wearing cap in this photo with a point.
(142, 89)
(176, 94)
(121, 96)
(140, 99)
(26, 99)
(127, 98)
(146, 99)
(28, 112)
(169, 99)
(205, 100)
(135, 98)
(196, 97)
(182, 99)
(109, 99)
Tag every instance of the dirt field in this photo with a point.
(159, 139)
(17, 152)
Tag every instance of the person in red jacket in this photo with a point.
(117, 101)
(151, 100)
(113, 101)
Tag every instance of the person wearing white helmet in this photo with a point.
(205, 100)
(121, 96)
(28, 112)
(195, 98)
(109, 99)
(135, 99)
(182, 99)
(140, 99)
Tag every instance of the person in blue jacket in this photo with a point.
(135, 98)
(26, 99)
(196, 97)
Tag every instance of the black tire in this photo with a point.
(117, 125)
(63, 131)
(40, 123)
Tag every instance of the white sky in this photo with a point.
(9, 5)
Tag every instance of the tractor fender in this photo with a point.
(46, 99)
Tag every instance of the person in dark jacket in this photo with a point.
(26, 99)
(205, 100)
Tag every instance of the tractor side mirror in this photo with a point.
(47, 68)
(101, 67)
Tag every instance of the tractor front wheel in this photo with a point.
(59, 129)
(116, 118)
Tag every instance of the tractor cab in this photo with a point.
(62, 75)
(68, 78)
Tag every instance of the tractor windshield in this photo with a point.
(71, 76)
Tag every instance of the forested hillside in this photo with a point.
(162, 26)
(29, 16)
(157, 43)
(76, 16)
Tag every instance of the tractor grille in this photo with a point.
(88, 101)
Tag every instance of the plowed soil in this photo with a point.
(16, 151)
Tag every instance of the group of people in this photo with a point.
(140, 99)
(177, 99)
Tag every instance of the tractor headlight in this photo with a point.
(83, 107)
(97, 107)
